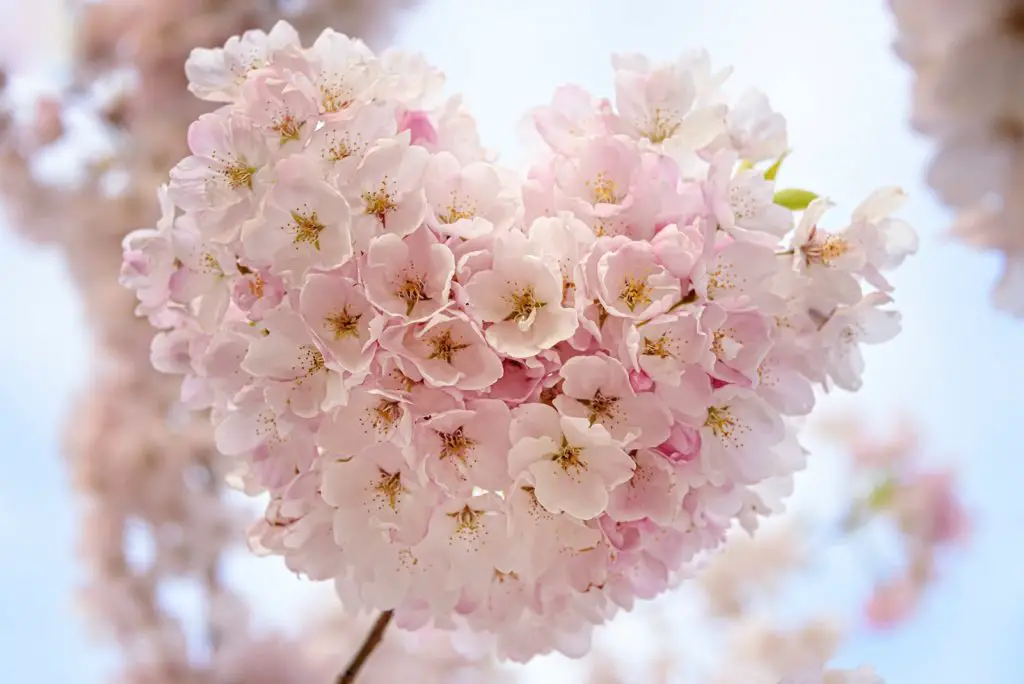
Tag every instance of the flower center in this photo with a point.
(568, 456)
(635, 293)
(307, 229)
(456, 211)
(524, 304)
(385, 414)
(721, 422)
(603, 190)
(380, 202)
(239, 174)
(444, 347)
(312, 360)
(343, 324)
(823, 252)
(256, 286)
(287, 128)
(599, 407)
(662, 126)
(334, 98)
(455, 444)
(390, 487)
(467, 520)
(658, 347)
(412, 291)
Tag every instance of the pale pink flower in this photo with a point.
(521, 298)
(283, 104)
(632, 284)
(369, 417)
(229, 158)
(740, 340)
(409, 278)
(257, 292)
(666, 345)
(218, 74)
(652, 493)
(572, 465)
(737, 435)
(305, 224)
(467, 200)
(448, 350)
(735, 274)
(386, 192)
(342, 69)
(288, 358)
(344, 322)
(342, 141)
(743, 203)
(660, 103)
(467, 448)
(572, 117)
(597, 389)
(847, 328)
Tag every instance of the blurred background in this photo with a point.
(828, 67)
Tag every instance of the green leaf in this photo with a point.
(794, 199)
(773, 170)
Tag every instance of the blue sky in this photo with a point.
(828, 67)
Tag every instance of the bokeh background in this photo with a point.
(828, 66)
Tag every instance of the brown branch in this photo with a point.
(373, 640)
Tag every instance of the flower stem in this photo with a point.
(371, 642)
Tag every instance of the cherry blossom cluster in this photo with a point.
(977, 123)
(512, 407)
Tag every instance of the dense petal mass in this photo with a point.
(503, 405)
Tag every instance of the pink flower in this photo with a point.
(342, 142)
(283, 104)
(468, 201)
(740, 340)
(409, 278)
(258, 292)
(448, 350)
(666, 345)
(369, 417)
(572, 465)
(386, 192)
(467, 448)
(344, 322)
(218, 74)
(521, 298)
(597, 389)
(738, 433)
(632, 284)
(652, 492)
(228, 159)
(743, 203)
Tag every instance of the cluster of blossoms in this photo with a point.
(513, 407)
(978, 123)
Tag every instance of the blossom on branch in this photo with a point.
(508, 411)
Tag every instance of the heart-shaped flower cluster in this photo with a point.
(487, 403)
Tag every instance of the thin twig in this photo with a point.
(373, 640)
